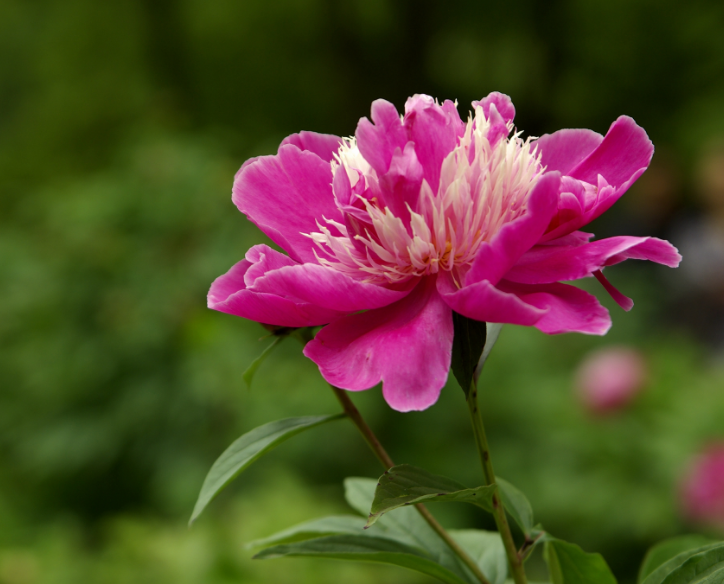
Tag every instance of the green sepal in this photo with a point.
(468, 344)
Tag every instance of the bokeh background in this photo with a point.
(121, 126)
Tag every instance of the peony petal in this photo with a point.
(503, 104)
(285, 195)
(515, 238)
(623, 301)
(483, 301)
(567, 308)
(400, 186)
(407, 346)
(548, 263)
(326, 287)
(565, 149)
(435, 131)
(624, 151)
(323, 145)
(229, 294)
(264, 259)
(377, 143)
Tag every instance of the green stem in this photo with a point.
(353, 413)
(514, 560)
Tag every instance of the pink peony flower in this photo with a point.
(389, 231)
(702, 493)
(608, 379)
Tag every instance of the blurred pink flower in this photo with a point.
(420, 215)
(608, 379)
(702, 493)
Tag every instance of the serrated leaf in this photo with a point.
(516, 504)
(704, 567)
(248, 375)
(405, 525)
(569, 564)
(668, 549)
(486, 548)
(468, 343)
(365, 548)
(332, 525)
(248, 448)
(408, 485)
(662, 573)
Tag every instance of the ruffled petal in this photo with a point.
(377, 143)
(494, 259)
(285, 195)
(503, 104)
(231, 293)
(435, 131)
(323, 145)
(483, 301)
(566, 308)
(565, 149)
(549, 263)
(407, 346)
(326, 287)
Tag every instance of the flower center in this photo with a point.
(484, 184)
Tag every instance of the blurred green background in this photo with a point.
(121, 126)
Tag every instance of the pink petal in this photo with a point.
(407, 346)
(623, 301)
(567, 308)
(264, 259)
(435, 131)
(549, 263)
(483, 301)
(515, 238)
(565, 149)
(377, 143)
(285, 195)
(323, 145)
(325, 287)
(230, 294)
(400, 186)
(503, 104)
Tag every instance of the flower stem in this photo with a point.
(514, 560)
(353, 413)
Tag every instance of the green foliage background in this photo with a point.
(121, 127)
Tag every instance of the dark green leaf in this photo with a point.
(486, 548)
(365, 548)
(248, 448)
(706, 567)
(468, 344)
(516, 504)
(569, 564)
(665, 550)
(248, 375)
(665, 572)
(333, 525)
(407, 485)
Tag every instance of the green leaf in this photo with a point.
(333, 525)
(662, 573)
(365, 548)
(405, 525)
(665, 550)
(516, 504)
(248, 375)
(486, 548)
(569, 564)
(468, 343)
(704, 567)
(407, 485)
(248, 448)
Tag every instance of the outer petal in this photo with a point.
(325, 287)
(483, 301)
(515, 238)
(549, 263)
(565, 149)
(407, 346)
(323, 145)
(435, 131)
(567, 308)
(231, 293)
(377, 143)
(285, 195)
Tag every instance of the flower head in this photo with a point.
(389, 231)
(702, 493)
